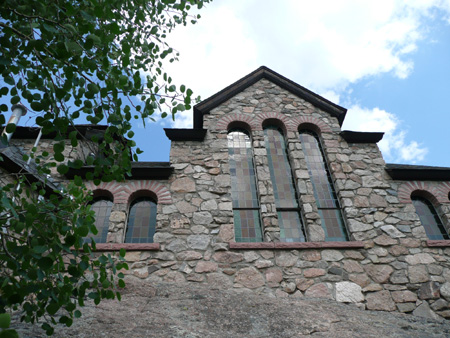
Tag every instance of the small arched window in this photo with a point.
(247, 225)
(324, 192)
(284, 190)
(102, 207)
(141, 221)
(429, 218)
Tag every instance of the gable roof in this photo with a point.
(263, 72)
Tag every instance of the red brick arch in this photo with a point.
(260, 118)
(225, 121)
(122, 191)
(439, 192)
(298, 121)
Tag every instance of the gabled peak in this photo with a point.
(263, 72)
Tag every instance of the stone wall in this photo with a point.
(389, 264)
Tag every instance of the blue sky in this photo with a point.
(387, 62)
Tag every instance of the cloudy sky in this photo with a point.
(387, 62)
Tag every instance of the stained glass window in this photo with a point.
(102, 208)
(291, 228)
(247, 225)
(429, 218)
(324, 192)
(141, 221)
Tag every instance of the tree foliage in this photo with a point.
(64, 59)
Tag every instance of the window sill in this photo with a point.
(128, 246)
(440, 243)
(303, 245)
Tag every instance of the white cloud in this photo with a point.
(323, 45)
(394, 145)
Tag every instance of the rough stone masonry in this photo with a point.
(388, 262)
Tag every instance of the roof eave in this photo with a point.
(139, 170)
(180, 134)
(361, 137)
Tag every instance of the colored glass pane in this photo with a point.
(291, 229)
(141, 221)
(324, 192)
(429, 219)
(102, 209)
(247, 224)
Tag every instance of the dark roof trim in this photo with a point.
(139, 170)
(32, 132)
(14, 164)
(185, 134)
(361, 136)
(205, 106)
(407, 172)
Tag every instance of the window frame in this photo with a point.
(331, 189)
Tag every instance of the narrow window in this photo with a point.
(102, 208)
(324, 192)
(141, 221)
(291, 228)
(429, 218)
(247, 225)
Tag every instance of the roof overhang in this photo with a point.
(406, 172)
(185, 134)
(263, 72)
(139, 170)
(85, 130)
(361, 136)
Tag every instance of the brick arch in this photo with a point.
(298, 121)
(438, 192)
(225, 121)
(162, 193)
(122, 191)
(260, 118)
(446, 188)
(114, 188)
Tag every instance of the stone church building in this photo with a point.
(266, 192)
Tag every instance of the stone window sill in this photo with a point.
(128, 246)
(438, 243)
(303, 245)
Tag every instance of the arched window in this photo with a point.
(247, 224)
(141, 221)
(102, 208)
(291, 228)
(429, 218)
(324, 192)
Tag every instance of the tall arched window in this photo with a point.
(429, 218)
(102, 208)
(247, 224)
(291, 228)
(324, 192)
(141, 221)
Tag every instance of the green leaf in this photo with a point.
(122, 252)
(36, 106)
(45, 263)
(5, 320)
(63, 169)
(52, 308)
(11, 128)
(9, 334)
